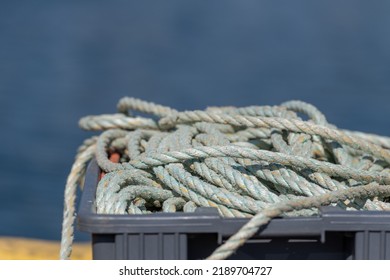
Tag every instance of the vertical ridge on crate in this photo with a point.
(135, 249)
(387, 248)
(183, 246)
(120, 249)
(382, 254)
(170, 246)
(150, 242)
(160, 247)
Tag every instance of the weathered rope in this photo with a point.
(84, 155)
(263, 217)
(256, 161)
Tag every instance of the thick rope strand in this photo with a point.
(263, 217)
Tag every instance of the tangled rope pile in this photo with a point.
(258, 161)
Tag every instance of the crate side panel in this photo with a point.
(151, 246)
(103, 247)
(135, 247)
(375, 245)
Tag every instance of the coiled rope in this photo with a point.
(258, 161)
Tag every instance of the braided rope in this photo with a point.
(130, 103)
(104, 122)
(256, 161)
(263, 217)
(279, 123)
(85, 154)
(164, 158)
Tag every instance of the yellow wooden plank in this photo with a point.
(32, 249)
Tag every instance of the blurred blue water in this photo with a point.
(61, 61)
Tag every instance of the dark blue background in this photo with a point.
(60, 61)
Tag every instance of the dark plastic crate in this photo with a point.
(335, 234)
